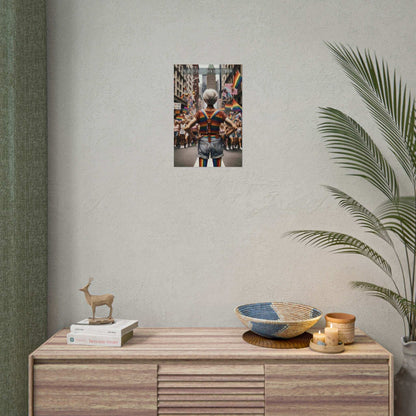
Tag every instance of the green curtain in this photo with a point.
(23, 196)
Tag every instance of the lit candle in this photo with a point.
(319, 338)
(331, 336)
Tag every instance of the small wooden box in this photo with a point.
(345, 323)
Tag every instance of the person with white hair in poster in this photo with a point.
(210, 143)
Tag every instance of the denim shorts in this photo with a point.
(215, 148)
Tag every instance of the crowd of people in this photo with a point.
(183, 138)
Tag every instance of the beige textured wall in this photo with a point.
(183, 246)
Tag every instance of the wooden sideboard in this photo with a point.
(207, 371)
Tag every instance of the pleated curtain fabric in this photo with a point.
(23, 196)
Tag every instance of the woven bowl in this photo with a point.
(278, 319)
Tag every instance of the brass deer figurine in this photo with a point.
(97, 300)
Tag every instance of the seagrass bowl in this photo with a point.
(278, 319)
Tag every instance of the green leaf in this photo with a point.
(362, 215)
(402, 305)
(355, 150)
(341, 243)
(399, 217)
(387, 99)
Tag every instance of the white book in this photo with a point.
(98, 340)
(118, 328)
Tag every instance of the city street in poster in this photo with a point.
(208, 115)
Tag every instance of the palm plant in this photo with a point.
(394, 220)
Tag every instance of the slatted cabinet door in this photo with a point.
(323, 389)
(197, 389)
(95, 389)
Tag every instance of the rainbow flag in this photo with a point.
(236, 107)
(237, 79)
(228, 107)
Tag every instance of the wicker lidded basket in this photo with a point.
(345, 323)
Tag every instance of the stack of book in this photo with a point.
(106, 335)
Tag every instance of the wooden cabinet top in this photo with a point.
(199, 344)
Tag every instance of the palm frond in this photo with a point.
(362, 215)
(402, 305)
(399, 217)
(387, 99)
(341, 243)
(355, 150)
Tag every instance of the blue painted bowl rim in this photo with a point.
(272, 321)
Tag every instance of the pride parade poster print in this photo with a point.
(208, 115)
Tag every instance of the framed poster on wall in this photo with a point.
(207, 115)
